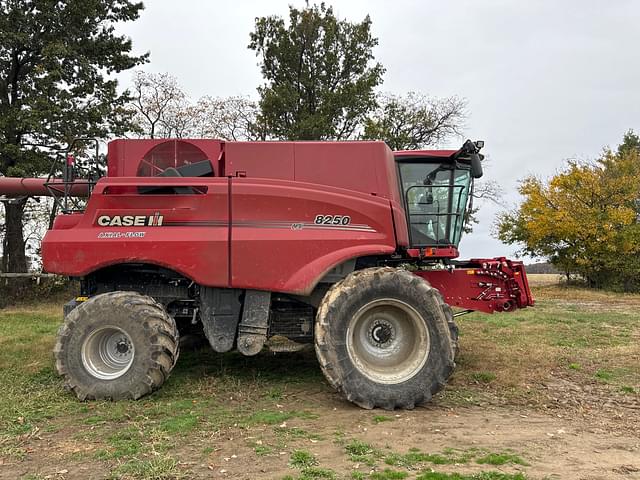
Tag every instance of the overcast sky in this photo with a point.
(545, 80)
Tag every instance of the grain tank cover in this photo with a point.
(367, 167)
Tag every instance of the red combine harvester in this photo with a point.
(346, 245)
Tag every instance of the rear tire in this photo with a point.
(383, 338)
(117, 345)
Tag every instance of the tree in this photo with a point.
(415, 121)
(56, 61)
(319, 74)
(585, 219)
(162, 109)
(159, 104)
(231, 118)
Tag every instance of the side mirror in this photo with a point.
(476, 165)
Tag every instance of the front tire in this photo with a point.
(383, 339)
(117, 345)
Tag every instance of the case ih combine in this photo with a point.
(346, 245)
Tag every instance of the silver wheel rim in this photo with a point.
(108, 353)
(388, 341)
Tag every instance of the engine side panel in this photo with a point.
(286, 236)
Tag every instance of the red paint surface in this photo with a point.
(292, 257)
(486, 285)
(198, 252)
(253, 223)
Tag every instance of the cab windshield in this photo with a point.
(435, 200)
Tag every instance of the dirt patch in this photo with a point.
(559, 444)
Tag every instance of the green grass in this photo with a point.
(452, 456)
(483, 377)
(314, 473)
(159, 468)
(382, 418)
(262, 450)
(213, 400)
(123, 443)
(475, 476)
(604, 375)
(388, 474)
(272, 417)
(269, 417)
(529, 346)
(317, 473)
(289, 433)
(414, 457)
(206, 392)
(275, 393)
(302, 459)
(361, 452)
(180, 424)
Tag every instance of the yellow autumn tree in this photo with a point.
(585, 219)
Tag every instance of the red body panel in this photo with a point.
(276, 244)
(125, 157)
(364, 167)
(194, 238)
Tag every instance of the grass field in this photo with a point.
(563, 376)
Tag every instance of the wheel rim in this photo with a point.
(108, 353)
(388, 341)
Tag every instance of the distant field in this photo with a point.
(546, 392)
(539, 279)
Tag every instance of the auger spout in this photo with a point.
(41, 187)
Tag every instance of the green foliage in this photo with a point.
(55, 62)
(585, 219)
(414, 121)
(56, 84)
(319, 74)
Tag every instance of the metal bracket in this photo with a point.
(252, 331)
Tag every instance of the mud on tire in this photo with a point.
(117, 345)
(385, 338)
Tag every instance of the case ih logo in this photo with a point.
(154, 220)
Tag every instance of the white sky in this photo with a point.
(545, 80)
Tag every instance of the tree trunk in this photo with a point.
(14, 259)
